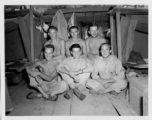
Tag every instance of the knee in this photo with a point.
(72, 85)
(33, 82)
(89, 82)
(66, 86)
(124, 84)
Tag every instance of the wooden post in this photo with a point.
(86, 19)
(31, 35)
(119, 35)
(112, 33)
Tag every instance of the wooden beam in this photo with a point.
(79, 9)
(119, 35)
(132, 11)
(80, 17)
(31, 35)
(112, 34)
(12, 20)
(14, 14)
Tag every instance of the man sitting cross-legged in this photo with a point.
(43, 76)
(109, 74)
(75, 70)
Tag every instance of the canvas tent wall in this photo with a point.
(123, 26)
(18, 37)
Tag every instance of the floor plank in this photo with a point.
(104, 105)
(123, 109)
(86, 107)
(24, 107)
(63, 106)
(92, 105)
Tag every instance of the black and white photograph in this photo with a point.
(75, 60)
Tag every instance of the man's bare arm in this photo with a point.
(84, 51)
(67, 49)
(87, 46)
(62, 55)
(29, 68)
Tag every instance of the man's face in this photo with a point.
(76, 52)
(48, 53)
(94, 31)
(52, 33)
(74, 32)
(105, 51)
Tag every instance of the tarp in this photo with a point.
(128, 26)
(14, 45)
(60, 22)
(72, 21)
(24, 42)
(39, 40)
(10, 26)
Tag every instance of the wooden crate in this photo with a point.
(137, 88)
(145, 103)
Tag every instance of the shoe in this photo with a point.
(67, 96)
(81, 96)
(32, 96)
(52, 98)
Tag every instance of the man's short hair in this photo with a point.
(75, 46)
(101, 47)
(49, 46)
(93, 25)
(73, 27)
(52, 27)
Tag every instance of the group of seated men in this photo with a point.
(75, 65)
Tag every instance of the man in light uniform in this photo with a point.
(94, 42)
(109, 74)
(76, 70)
(43, 76)
(74, 39)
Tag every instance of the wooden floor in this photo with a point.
(92, 105)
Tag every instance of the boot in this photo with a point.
(81, 96)
(66, 95)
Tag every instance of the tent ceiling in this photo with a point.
(84, 14)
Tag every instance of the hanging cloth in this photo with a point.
(60, 22)
(128, 26)
(72, 22)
